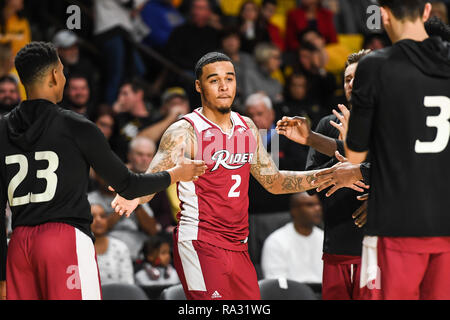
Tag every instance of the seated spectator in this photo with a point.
(161, 17)
(298, 103)
(268, 10)
(440, 11)
(157, 269)
(252, 27)
(268, 58)
(114, 30)
(75, 63)
(7, 67)
(242, 61)
(77, 95)
(9, 94)
(134, 115)
(175, 104)
(14, 27)
(287, 155)
(113, 257)
(310, 15)
(376, 41)
(103, 117)
(295, 250)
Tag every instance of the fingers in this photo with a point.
(363, 197)
(356, 188)
(362, 185)
(324, 172)
(362, 219)
(325, 185)
(337, 125)
(360, 210)
(335, 188)
(344, 110)
(111, 189)
(338, 115)
(340, 157)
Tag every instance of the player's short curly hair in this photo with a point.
(208, 58)
(435, 27)
(33, 60)
(405, 9)
(355, 57)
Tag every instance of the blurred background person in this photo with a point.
(14, 26)
(77, 95)
(103, 117)
(268, 10)
(252, 27)
(157, 268)
(295, 250)
(9, 94)
(113, 257)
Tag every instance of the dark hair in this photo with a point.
(355, 57)
(435, 27)
(229, 31)
(290, 78)
(77, 76)
(153, 244)
(8, 78)
(302, 33)
(136, 84)
(401, 9)
(274, 2)
(102, 110)
(33, 60)
(208, 58)
(306, 45)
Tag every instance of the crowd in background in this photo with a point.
(129, 69)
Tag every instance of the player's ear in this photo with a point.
(385, 17)
(198, 88)
(427, 12)
(53, 81)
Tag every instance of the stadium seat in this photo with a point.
(260, 227)
(121, 291)
(154, 291)
(283, 289)
(173, 293)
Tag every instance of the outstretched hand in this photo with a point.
(296, 129)
(123, 206)
(343, 118)
(360, 215)
(342, 175)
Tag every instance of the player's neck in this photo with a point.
(35, 93)
(412, 31)
(223, 120)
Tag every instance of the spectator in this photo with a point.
(440, 11)
(114, 27)
(322, 83)
(309, 15)
(295, 250)
(291, 155)
(74, 62)
(252, 27)
(104, 119)
(242, 61)
(77, 95)
(113, 257)
(161, 17)
(191, 40)
(9, 94)
(268, 10)
(268, 58)
(14, 27)
(175, 104)
(134, 115)
(7, 67)
(376, 41)
(133, 231)
(297, 102)
(157, 269)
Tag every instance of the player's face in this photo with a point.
(349, 77)
(217, 86)
(99, 224)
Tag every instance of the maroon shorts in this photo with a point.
(51, 261)
(412, 269)
(340, 277)
(208, 272)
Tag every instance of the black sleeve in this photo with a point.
(364, 95)
(3, 242)
(340, 146)
(99, 155)
(365, 172)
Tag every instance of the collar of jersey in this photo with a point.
(198, 111)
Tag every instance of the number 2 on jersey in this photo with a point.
(232, 193)
(441, 122)
(48, 174)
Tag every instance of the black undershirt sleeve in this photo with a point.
(364, 96)
(107, 164)
(365, 172)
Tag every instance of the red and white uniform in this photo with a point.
(214, 214)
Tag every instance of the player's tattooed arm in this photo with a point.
(272, 179)
(178, 138)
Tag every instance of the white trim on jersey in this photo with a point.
(87, 267)
(191, 266)
(188, 225)
(200, 124)
(237, 120)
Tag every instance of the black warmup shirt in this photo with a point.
(342, 236)
(401, 112)
(45, 155)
